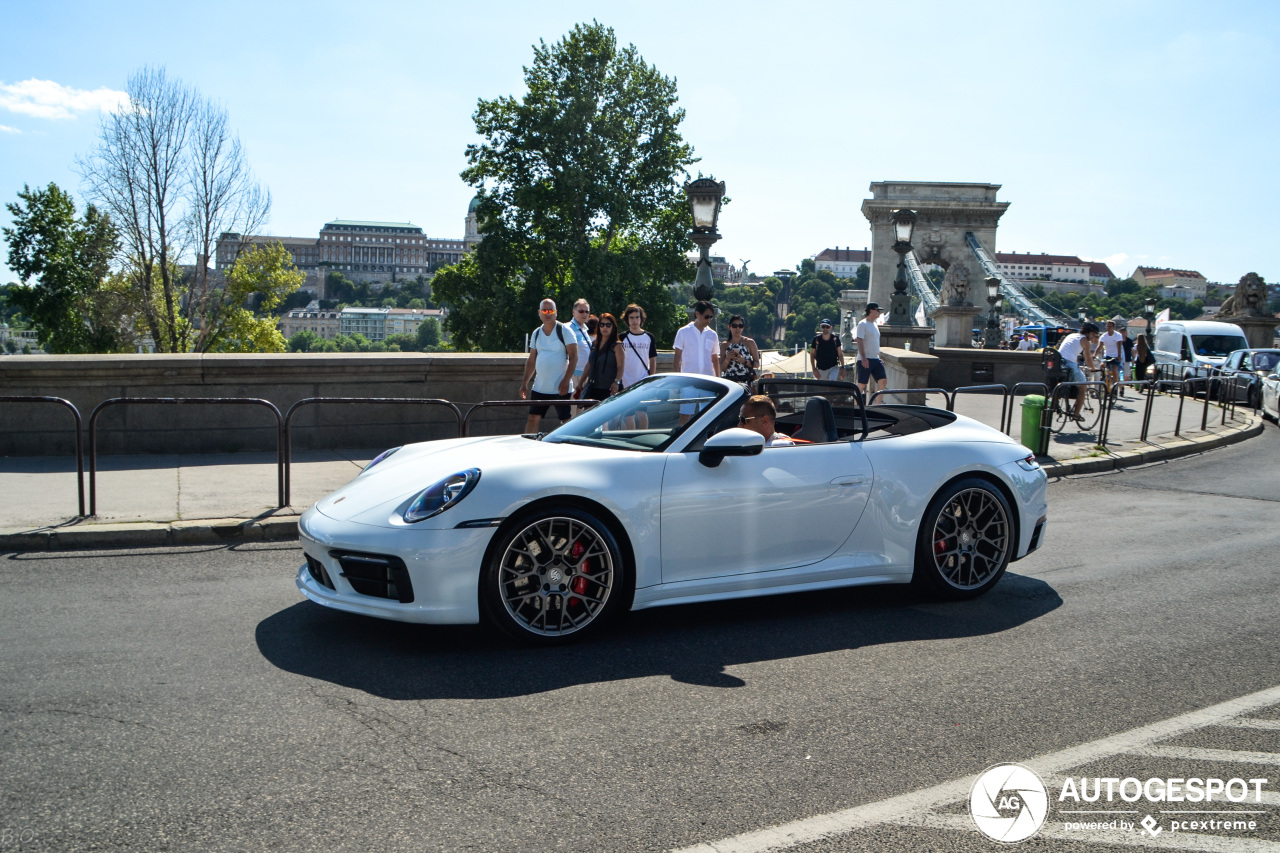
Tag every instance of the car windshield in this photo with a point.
(1266, 361)
(646, 416)
(1218, 346)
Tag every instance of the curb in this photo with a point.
(224, 531)
(1174, 449)
(210, 531)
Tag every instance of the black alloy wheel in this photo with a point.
(554, 576)
(966, 540)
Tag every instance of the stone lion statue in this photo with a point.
(955, 285)
(1250, 298)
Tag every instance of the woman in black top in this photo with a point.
(602, 362)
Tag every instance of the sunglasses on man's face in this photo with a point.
(548, 311)
(743, 420)
(581, 311)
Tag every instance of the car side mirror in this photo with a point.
(731, 442)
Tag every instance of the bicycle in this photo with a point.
(1062, 406)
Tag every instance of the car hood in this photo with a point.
(382, 493)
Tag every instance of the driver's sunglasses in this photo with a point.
(743, 420)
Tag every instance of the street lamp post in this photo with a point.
(991, 336)
(705, 196)
(1083, 315)
(904, 222)
(1149, 313)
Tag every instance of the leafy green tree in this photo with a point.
(428, 334)
(63, 261)
(266, 270)
(304, 341)
(1121, 286)
(401, 343)
(578, 194)
(862, 278)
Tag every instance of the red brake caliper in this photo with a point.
(579, 584)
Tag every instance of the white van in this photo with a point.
(1197, 346)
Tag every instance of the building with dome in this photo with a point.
(362, 250)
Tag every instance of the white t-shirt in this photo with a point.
(697, 349)
(1070, 347)
(868, 335)
(1026, 344)
(636, 352)
(553, 358)
(584, 346)
(1113, 343)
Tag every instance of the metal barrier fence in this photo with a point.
(946, 395)
(466, 420)
(181, 401)
(1110, 404)
(79, 436)
(287, 441)
(1050, 405)
(1005, 399)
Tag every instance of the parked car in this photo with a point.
(625, 507)
(1249, 366)
(1196, 347)
(1270, 401)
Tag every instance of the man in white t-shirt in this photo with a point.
(1028, 342)
(578, 325)
(552, 356)
(1071, 348)
(869, 364)
(1111, 346)
(697, 349)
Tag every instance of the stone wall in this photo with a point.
(960, 366)
(46, 429)
(906, 369)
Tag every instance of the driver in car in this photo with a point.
(758, 415)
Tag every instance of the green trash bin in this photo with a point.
(1032, 434)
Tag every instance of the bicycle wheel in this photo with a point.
(1058, 415)
(1090, 412)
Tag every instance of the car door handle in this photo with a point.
(851, 480)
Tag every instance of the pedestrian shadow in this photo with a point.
(694, 644)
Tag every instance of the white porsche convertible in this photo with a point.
(632, 505)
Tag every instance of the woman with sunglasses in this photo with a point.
(739, 355)
(602, 363)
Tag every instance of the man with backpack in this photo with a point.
(553, 354)
(826, 355)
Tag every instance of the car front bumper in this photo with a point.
(438, 569)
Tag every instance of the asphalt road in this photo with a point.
(187, 699)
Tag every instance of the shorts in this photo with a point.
(829, 372)
(1074, 373)
(594, 393)
(541, 411)
(875, 367)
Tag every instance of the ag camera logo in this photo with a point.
(1009, 803)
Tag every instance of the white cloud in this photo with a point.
(47, 99)
(4, 128)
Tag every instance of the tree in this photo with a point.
(173, 179)
(304, 341)
(266, 269)
(63, 261)
(428, 334)
(578, 194)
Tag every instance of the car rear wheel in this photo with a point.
(965, 541)
(553, 576)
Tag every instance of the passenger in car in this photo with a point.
(758, 415)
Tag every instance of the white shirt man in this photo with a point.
(697, 350)
(869, 364)
(1111, 344)
(1070, 348)
(552, 356)
(578, 325)
(1026, 343)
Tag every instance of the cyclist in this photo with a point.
(1111, 345)
(1083, 342)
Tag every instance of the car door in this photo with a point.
(783, 508)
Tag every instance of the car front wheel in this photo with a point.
(966, 540)
(552, 577)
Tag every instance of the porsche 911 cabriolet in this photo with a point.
(633, 505)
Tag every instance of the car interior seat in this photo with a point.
(819, 424)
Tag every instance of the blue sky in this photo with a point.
(1132, 132)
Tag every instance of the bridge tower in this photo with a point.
(945, 210)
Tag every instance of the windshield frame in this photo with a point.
(580, 430)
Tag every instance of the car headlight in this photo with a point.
(437, 498)
(380, 457)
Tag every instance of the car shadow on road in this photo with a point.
(694, 644)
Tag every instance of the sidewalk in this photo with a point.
(217, 498)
